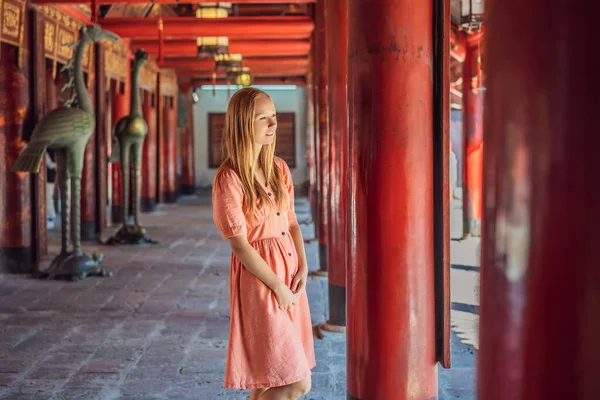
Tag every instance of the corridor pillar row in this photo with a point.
(322, 141)
(540, 275)
(337, 53)
(391, 344)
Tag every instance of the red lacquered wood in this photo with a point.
(337, 53)
(540, 272)
(472, 138)
(149, 155)
(284, 27)
(323, 133)
(391, 334)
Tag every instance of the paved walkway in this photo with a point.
(158, 328)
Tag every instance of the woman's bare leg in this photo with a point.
(292, 391)
(255, 393)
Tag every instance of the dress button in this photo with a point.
(290, 254)
(283, 233)
(278, 213)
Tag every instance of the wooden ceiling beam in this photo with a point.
(259, 80)
(252, 63)
(232, 27)
(247, 48)
(108, 2)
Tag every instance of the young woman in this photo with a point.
(271, 347)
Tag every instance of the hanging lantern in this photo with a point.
(244, 78)
(471, 14)
(212, 45)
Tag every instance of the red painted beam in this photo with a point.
(263, 71)
(247, 48)
(101, 2)
(294, 80)
(232, 27)
(192, 63)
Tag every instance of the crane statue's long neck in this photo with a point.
(136, 103)
(83, 98)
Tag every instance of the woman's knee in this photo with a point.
(303, 387)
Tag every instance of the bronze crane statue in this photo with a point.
(67, 130)
(130, 132)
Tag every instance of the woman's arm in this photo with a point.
(299, 281)
(259, 268)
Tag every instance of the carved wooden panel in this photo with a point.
(61, 30)
(286, 138)
(149, 76)
(116, 61)
(168, 82)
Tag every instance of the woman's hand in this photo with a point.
(285, 297)
(299, 280)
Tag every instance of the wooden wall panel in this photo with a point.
(286, 138)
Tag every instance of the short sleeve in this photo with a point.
(227, 200)
(289, 186)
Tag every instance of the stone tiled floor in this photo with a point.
(157, 329)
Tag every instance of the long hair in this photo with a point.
(238, 147)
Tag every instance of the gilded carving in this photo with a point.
(49, 36)
(11, 16)
(64, 38)
(149, 76)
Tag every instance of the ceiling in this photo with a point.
(273, 38)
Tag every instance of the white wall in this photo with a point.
(285, 101)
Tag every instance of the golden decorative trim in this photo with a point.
(61, 29)
(149, 76)
(168, 82)
(116, 61)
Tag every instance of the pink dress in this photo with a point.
(268, 347)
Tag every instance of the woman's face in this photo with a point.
(265, 121)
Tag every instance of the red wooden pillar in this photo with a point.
(472, 137)
(322, 141)
(391, 314)
(311, 157)
(120, 108)
(169, 150)
(337, 53)
(315, 134)
(88, 177)
(148, 193)
(188, 175)
(16, 247)
(540, 272)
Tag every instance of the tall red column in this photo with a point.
(169, 151)
(188, 173)
(311, 158)
(540, 272)
(322, 140)
(120, 108)
(337, 73)
(16, 248)
(88, 177)
(391, 317)
(149, 156)
(472, 137)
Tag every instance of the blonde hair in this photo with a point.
(238, 147)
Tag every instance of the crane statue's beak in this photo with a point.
(111, 36)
